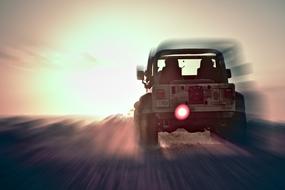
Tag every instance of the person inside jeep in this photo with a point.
(207, 69)
(171, 71)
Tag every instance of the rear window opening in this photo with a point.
(189, 67)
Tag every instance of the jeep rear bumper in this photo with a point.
(197, 121)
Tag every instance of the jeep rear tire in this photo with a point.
(235, 129)
(145, 123)
(148, 135)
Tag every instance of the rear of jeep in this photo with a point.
(193, 98)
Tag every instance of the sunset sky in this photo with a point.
(80, 56)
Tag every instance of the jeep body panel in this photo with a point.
(199, 97)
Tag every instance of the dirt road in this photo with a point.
(82, 153)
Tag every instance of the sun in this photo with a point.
(95, 82)
(92, 70)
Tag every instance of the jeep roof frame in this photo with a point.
(218, 47)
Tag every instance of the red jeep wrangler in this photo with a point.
(187, 87)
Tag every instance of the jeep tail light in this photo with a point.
(181, 112)
(229, 93)
(160, 94)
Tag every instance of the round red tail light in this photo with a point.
(182, 112)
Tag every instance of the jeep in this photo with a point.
(187, 86)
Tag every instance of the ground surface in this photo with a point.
(80, 153)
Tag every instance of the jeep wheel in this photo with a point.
(234, 130)
(146, 130)
(145, 123)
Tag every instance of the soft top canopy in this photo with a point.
(215, 46)
(226, 49)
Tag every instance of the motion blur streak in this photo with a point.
(83, 153)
